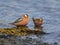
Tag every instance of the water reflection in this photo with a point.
(18, 41)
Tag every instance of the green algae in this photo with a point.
(20, 31)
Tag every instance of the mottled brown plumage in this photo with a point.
(37, 21)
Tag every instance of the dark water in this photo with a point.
(49, 10)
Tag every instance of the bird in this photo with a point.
(37, 21)
(23, 21)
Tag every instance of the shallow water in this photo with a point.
(49, 10)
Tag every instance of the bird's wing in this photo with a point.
(18, 20)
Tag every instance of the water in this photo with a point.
(49, 10)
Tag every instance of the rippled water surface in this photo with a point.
(49, 10)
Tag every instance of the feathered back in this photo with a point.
(18, 20)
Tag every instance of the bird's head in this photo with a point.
(25, 16)
(41, 19)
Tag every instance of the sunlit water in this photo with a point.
(49, 10)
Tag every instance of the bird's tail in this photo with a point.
(11, 23)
